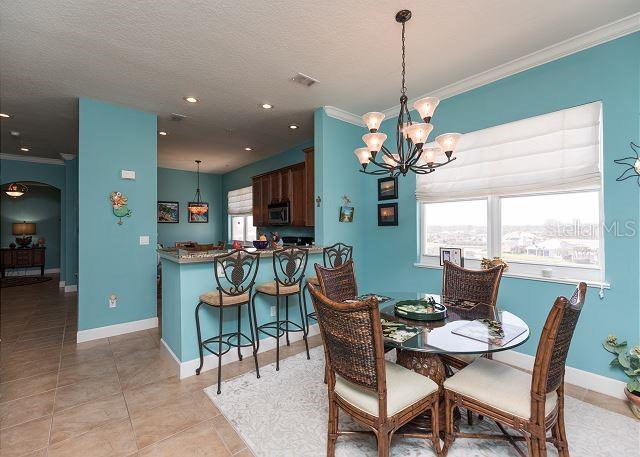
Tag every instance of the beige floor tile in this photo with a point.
(24, 438)
(136, 342)
(153, 425)
(575, 391)
(604, 401)
(33, 355)
(26, 409)
(86, 371)
(81, 419)
(229, 436)
(73, 347)
(114, 439)
(85, 391)
(94, 354)
(199, 440)
(37, 334)
(145, 367)
(28, 369)
(246, 452)
(39, 343)
(28, 386)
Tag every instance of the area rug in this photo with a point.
(13, 281)
(284, 414)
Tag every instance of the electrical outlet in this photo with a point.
(113, 301)
(273, 311)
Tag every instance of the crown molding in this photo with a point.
(67, 156)
(343, 115)
(31, 159)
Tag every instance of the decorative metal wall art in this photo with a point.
(632, 163)
(119, 206)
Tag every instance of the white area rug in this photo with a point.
(285, 414)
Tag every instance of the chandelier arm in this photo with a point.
(375, 172)
(388, 153)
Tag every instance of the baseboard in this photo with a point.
(32, 271)
(188, 368)
(117, 329)
(71, 288)
(575, 376)
(61, 284)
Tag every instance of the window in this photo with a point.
(528, 191)
(240, 207)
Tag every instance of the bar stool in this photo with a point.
(332, 256)
(289, 265)
(235, 275)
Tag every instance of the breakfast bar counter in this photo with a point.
(186, 276)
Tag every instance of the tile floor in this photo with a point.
(113, 397)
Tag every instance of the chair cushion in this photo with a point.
(404, 388)
(213, 298)
(313, 280)
(498, 385)
(466, 358)
(270, 288)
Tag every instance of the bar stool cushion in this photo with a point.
(404, 388)
(270, 288)
(498, 385)
(313, 280)
(213, 298)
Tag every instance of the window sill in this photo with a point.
(595, 284)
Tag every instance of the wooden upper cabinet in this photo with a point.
(285, 185)
(297, 195)
(309, 190)
(274, 186)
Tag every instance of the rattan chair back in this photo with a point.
(289, 265)
(548, 370)
(352, 338)
(474, 285)
(236, 271)
(335, 255)
(339, 283)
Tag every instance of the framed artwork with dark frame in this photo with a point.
(388, 188)
(198, 212)
(453, 255)
(346, 214)
(387, 214)
(168, 212)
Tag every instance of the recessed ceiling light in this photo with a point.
(190, 99)
(266, 106)
(293, 126)
(24, 149)
(162, 132)
(5, 115)
(248, 149)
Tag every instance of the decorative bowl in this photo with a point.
(420, 310)
(260, 244)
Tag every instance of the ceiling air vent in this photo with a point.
(177, 117)
(305, 80)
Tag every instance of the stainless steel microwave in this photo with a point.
(279, 214)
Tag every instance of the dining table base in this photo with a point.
(429, 365)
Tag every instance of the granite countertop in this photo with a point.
(208, 256)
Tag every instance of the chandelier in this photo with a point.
(15, 190)
(412, 152)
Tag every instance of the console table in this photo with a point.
(22, 258)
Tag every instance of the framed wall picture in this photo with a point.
(453, 255)
(346, 214)
(387, 214)
(168, 212)
(198, 212)
(388, 188)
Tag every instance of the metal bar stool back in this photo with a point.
(289, 266)
(235, 275)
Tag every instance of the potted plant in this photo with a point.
(629, 361)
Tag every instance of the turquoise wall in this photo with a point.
(111, 260)
(177, 185)
(41, 205)
(70, 223)
(609, 72)
(241, 177)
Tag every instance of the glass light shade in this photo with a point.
(429, 155)
(448, 141)
(426, 106)
(390, 161)
(363, 155)
(373, 120)
(15, 190)
(419, 132)
(636, 166)
(374, 141)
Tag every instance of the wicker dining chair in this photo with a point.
(529, 404)
(289, 266)
(332, 257)
(473, 285)
(235, 275)
(376, 393)
(338, 283)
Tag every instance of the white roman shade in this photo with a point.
(559, 151)
(240, 201)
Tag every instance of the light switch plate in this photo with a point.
(144, 240)
(128, 174)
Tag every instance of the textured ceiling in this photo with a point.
(234, 55)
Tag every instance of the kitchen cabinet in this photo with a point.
(309, 210)
(297, 196)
